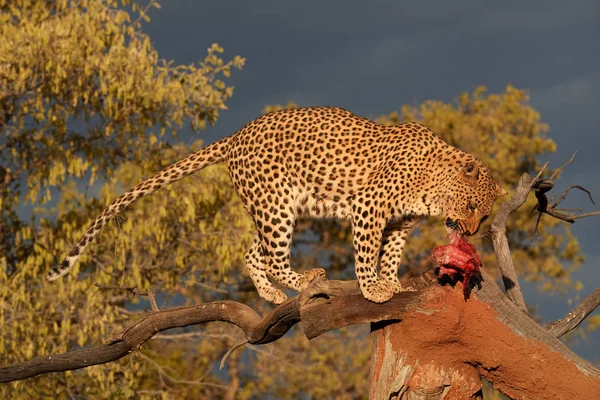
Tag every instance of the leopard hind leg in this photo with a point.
(255, 265)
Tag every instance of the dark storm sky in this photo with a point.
(374, 56)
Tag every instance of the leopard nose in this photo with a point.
(471, 228)
(472, 224)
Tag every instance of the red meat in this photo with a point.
(457, 259)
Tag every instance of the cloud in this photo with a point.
(580, 92)
(519, 17)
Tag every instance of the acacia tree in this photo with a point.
(82, 90)
(86, 97)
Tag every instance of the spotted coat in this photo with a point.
(327, 162)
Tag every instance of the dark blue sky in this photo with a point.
(374, 56)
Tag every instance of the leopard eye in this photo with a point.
(472, 207)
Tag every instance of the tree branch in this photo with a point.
(498, 229)
(544, 207)
(575, 317)
(133, 290)
(257, 329)
(319, 317)
(501, 248)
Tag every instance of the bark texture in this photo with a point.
(442, 347)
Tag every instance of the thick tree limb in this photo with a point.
(324, 306)
(257, 329)
(444, 345)
(501, 248)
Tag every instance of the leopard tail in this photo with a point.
(209, 155)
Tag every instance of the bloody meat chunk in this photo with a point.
(457, 259)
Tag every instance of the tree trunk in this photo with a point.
(399, 371)
(442, 347)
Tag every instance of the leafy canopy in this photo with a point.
(85, 96)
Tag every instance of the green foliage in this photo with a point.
(82, 90)
(271, 108)
(172, 242)
(593, 322)
(334, 366)
(86, 61)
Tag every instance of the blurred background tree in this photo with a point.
(87, 110)
(82, 92)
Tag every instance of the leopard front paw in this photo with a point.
(273, 295)
(399, 287)
(309, 276)
(378, 291)
(312, 274)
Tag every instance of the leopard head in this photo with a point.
(469, 196)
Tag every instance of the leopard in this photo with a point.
(327, 162)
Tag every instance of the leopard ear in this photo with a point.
(470, 171)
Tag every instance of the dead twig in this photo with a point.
(562, 197)
(230, 352)
(543, 206)
(166, 373)
(559, 170)
(132, 289)
(575, 317)
(152, 300)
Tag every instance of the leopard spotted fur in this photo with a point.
(327, 162)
